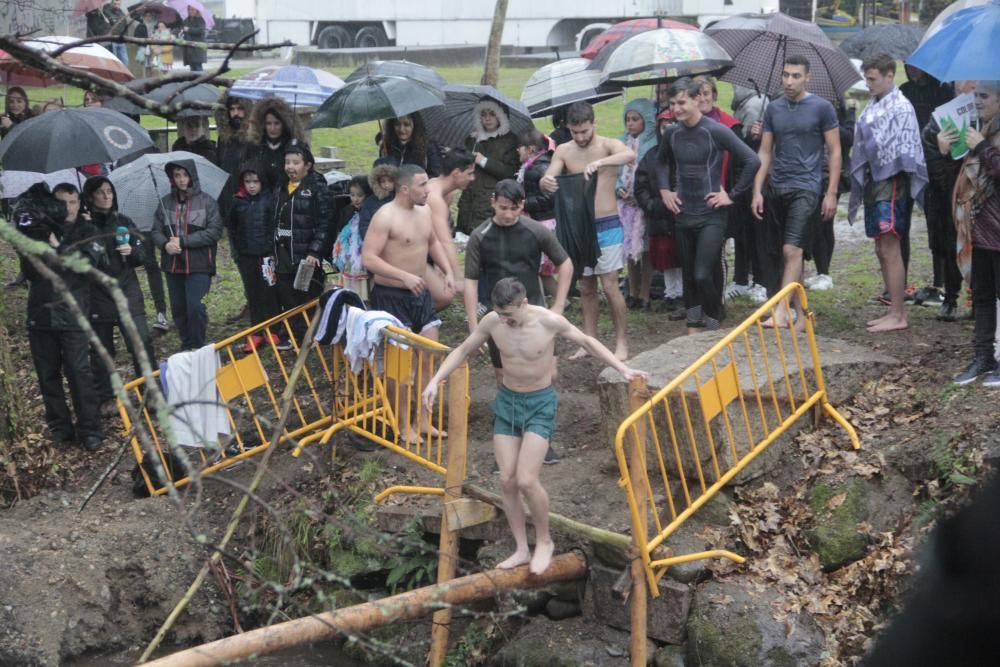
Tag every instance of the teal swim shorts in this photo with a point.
(516, 413)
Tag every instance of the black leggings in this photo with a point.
(823, 242)
(699, 244)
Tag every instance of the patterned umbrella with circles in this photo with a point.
(759, 44)
(69, 138)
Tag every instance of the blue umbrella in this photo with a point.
(299, 86)
(965, 46)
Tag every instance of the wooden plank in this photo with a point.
(468, 512)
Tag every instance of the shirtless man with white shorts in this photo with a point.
(593, 155)
(525, 406)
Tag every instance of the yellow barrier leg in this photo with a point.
(638, 396)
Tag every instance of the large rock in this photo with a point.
(730, 626)
(694, 409)
(666, 615)
(839, 508)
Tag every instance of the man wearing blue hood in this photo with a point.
(187, 228)
(640, 136)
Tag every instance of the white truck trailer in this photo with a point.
(563, 24)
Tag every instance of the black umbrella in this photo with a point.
(759, 44)
(403, 68)
(375, 98)
(451, 124)
(203, 92)
(70, 138)
(896, 40)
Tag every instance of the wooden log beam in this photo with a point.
(371, 615)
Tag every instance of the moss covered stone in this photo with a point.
(839, 508)
(707, 645)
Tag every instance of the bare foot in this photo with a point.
(877, 320)
(434, 432)
(800, 324)
(543, 556)
(413, 437)
(517, 559)
(775, 322)
(889, 324)
(579, 354)
(621, 351)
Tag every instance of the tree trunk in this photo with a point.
(491, 72)
(371, 615)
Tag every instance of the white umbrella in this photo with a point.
(564, 82)
(14, 183)
(141, 184)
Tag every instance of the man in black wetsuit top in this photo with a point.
(690, 176)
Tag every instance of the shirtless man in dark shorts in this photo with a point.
(525, 405)
(458, 172)
(397, 245)
(595, 156)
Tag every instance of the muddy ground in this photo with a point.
(105, 576)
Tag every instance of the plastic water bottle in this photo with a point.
(121, 235)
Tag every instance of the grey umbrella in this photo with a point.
(375, 98)
(168, 91)
(141, 183)
(759, 44)
(403, 68)
(896, 40)
(70, 138)
(451, 124)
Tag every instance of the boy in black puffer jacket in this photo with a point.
(186, 229)
(251, 225)
(301, 223)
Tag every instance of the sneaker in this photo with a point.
(820, 283)
(678, 315)
(948, 312)
(284, 346)
(673, 302)
(978, 367)
(909, 295)
(928, 296)
(992, 379)
(551, 456)
(481, 310)
(161, 323)
(736, 290)
(758, 294)
(92, 443)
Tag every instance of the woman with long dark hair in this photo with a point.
(405, 141)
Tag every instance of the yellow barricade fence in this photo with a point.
(713, 419)
(377, 401)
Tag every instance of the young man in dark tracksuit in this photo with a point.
(59, 346)
(301, 221)
(251, 229)
(122, 260)
(187, 228)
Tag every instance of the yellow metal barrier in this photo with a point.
(251, 383)
(713, 419)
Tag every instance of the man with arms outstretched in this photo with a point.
(597, 157)
(798, 128)
(525, 405)
(397, 245)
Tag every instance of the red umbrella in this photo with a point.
(92, 58)
(626, 29)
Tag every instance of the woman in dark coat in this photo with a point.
(16, 110)
(495, 148)
(405, 141)
(272, 125)
(194, 31)
(125, 250)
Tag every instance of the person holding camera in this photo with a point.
(59, 346)
(126, 250)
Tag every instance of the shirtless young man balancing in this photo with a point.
(397, 245)
(525, 406)
(457, 173)
(595, 156)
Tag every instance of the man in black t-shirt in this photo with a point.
(511, 245)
